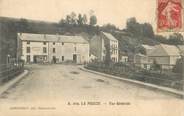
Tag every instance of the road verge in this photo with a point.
(10, 83)
(165, 89)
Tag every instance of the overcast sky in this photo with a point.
(107, 11)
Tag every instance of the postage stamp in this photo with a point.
(170, 15)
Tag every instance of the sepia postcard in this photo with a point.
(91, 57)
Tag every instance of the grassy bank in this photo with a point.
(130, 71)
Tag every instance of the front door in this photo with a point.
(35, 59)
(28, 59)
(75, 58)
(54, 59)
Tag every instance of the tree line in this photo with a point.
(146, 30)
(77, 23)
(78, 19)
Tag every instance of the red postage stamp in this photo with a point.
(169, 15)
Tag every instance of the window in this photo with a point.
(63, 43)
(116, 59)
(54, 59)
(44, 43)
(126, 59)
(44, 50)
(28, 59)
(75, 49)
(63, 58)
(8, 58)
(116, 51)
(54, 50)
(28, 42)
(54, 43)
(28, 50)
(113, 59)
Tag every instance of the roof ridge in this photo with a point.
(109, 36)
(53, 38)
(51, 34)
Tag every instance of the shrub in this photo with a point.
(156, 66)
(178, 67)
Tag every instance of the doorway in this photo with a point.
(75, 58)
(34, 59)
(54, 59)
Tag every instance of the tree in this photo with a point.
(22, 25)
(73, 18)
(178, 67)
(147, 30)
(161, 39)
(93, 20)
(140, 30)
(140, 49)
(133, 26)
(109, 27)
(130, 23)
(156, 66)
(68, 19)
(85, 20)
(176, 39)
(107, 55)
(80, 19)
(62, 22)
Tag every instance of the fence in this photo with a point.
(131, 71)
(10, 70)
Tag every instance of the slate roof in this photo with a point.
(52, 38)
(110, 36)
(148, 48)
(165, 50)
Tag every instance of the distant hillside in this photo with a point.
(129, 43)
(34, 26)
(130, 39)
(30, 26)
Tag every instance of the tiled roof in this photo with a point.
(109, 36)
(52, 38)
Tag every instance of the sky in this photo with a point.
(107, 11)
